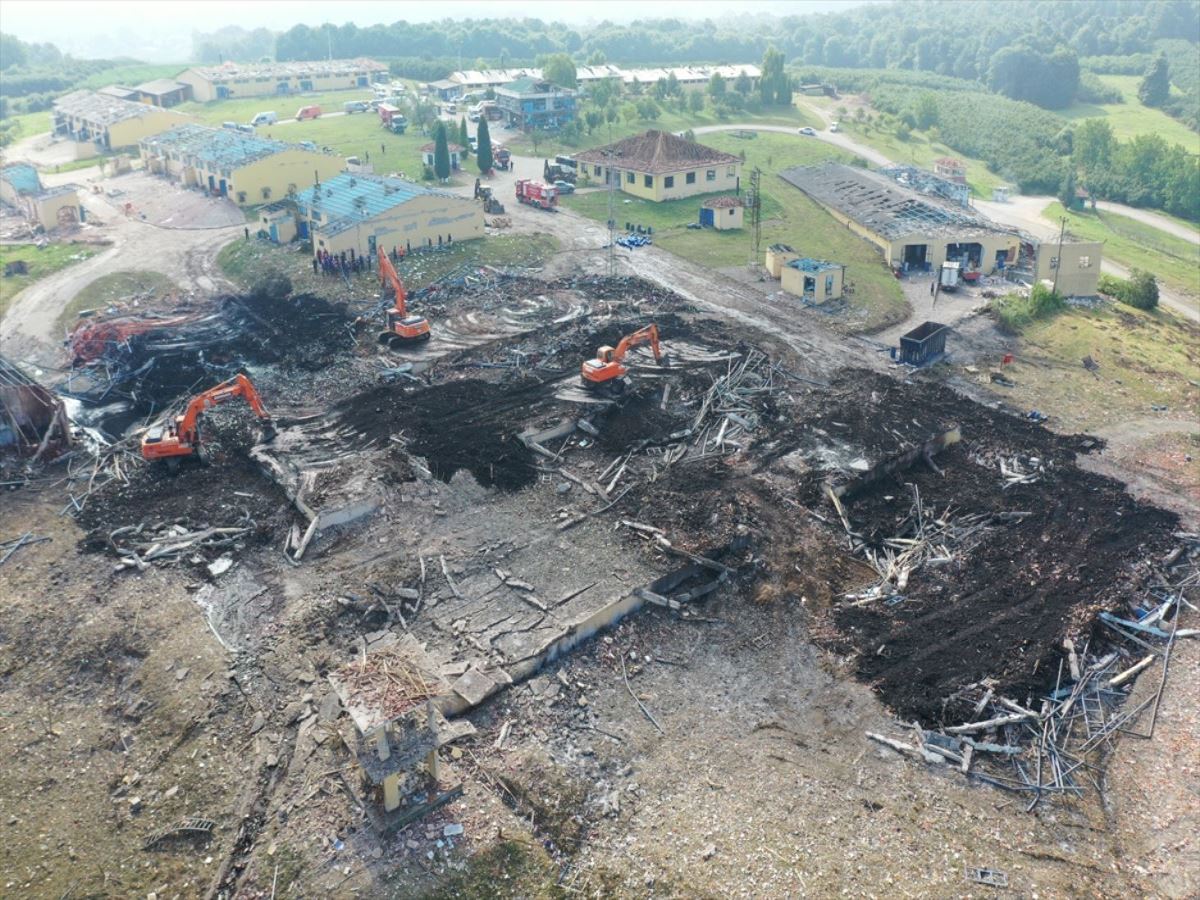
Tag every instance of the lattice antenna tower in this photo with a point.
(754, 201)
(611, 258)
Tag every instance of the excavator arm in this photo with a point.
(181, 436)
(401, 327)
(649, 335)
(390, 276)
(607, 370)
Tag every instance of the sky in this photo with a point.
(157, 31)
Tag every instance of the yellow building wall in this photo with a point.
(1078, 267)
(725, 178)
(775, 261)
(792, 281)
(935, 253)
(278, 171)
(284, 222)
(729, 218)
(206, 91)
(46, 211)
(417, 223)
(130, 131)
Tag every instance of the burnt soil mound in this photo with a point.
(467, 424)
(300, 331)
(224, 488)
(1001, 608)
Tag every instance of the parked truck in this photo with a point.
(502, 157)
(536, 193)
(950, 277)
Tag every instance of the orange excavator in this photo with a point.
(607, 372)
(180, 437)
(401, 327)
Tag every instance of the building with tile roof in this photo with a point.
(658, 165)
(244, 167)
(107, 122)
(163, 92)
(534, 103)
(722, 213)
(360, 212)
(456, 154)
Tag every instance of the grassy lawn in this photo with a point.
(1173, 260)
(669, 120)
(28, 124)
(245, 262)
(132, 74)
(1129, 119)
(1145, 358)
(788, 217)
(42, 262)
(114, 288)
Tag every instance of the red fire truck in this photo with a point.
(536, 193)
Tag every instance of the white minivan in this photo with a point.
(264, 118)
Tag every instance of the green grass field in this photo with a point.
(788, 217)
(132, 74)
(42, 262)
(1145, 358)
(218, 111)
(1173, 260)
(1129, 119)
(669, 120)
(115, 287)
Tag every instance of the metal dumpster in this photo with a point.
(923, 344)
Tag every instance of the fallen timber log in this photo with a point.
(897, 463)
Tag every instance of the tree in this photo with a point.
(1066, 194)
(695, 101)
(593, 118)
(743, 85)
(1156, 86)
(464, 137)
(597, 58)
(716, 86)
(559, 69)
(927, 110)
(441, 152)
(483, 149)
(672, 85)
(648, 110)
(775, 85)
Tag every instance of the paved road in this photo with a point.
(839, 139)
(1148, 217)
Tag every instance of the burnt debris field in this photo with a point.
(474, 499)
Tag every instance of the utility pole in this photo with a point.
(1062, 228)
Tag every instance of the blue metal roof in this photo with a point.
(350, 198)
(808, 264)
(23, 177)
(217, 147)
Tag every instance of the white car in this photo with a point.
(808, 132)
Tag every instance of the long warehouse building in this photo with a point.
(246, 168)
(916, 232)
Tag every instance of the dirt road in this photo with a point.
(29, 331)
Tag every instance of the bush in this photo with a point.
(1140, 291)
(1016, 312)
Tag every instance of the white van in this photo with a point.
(264, 118)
